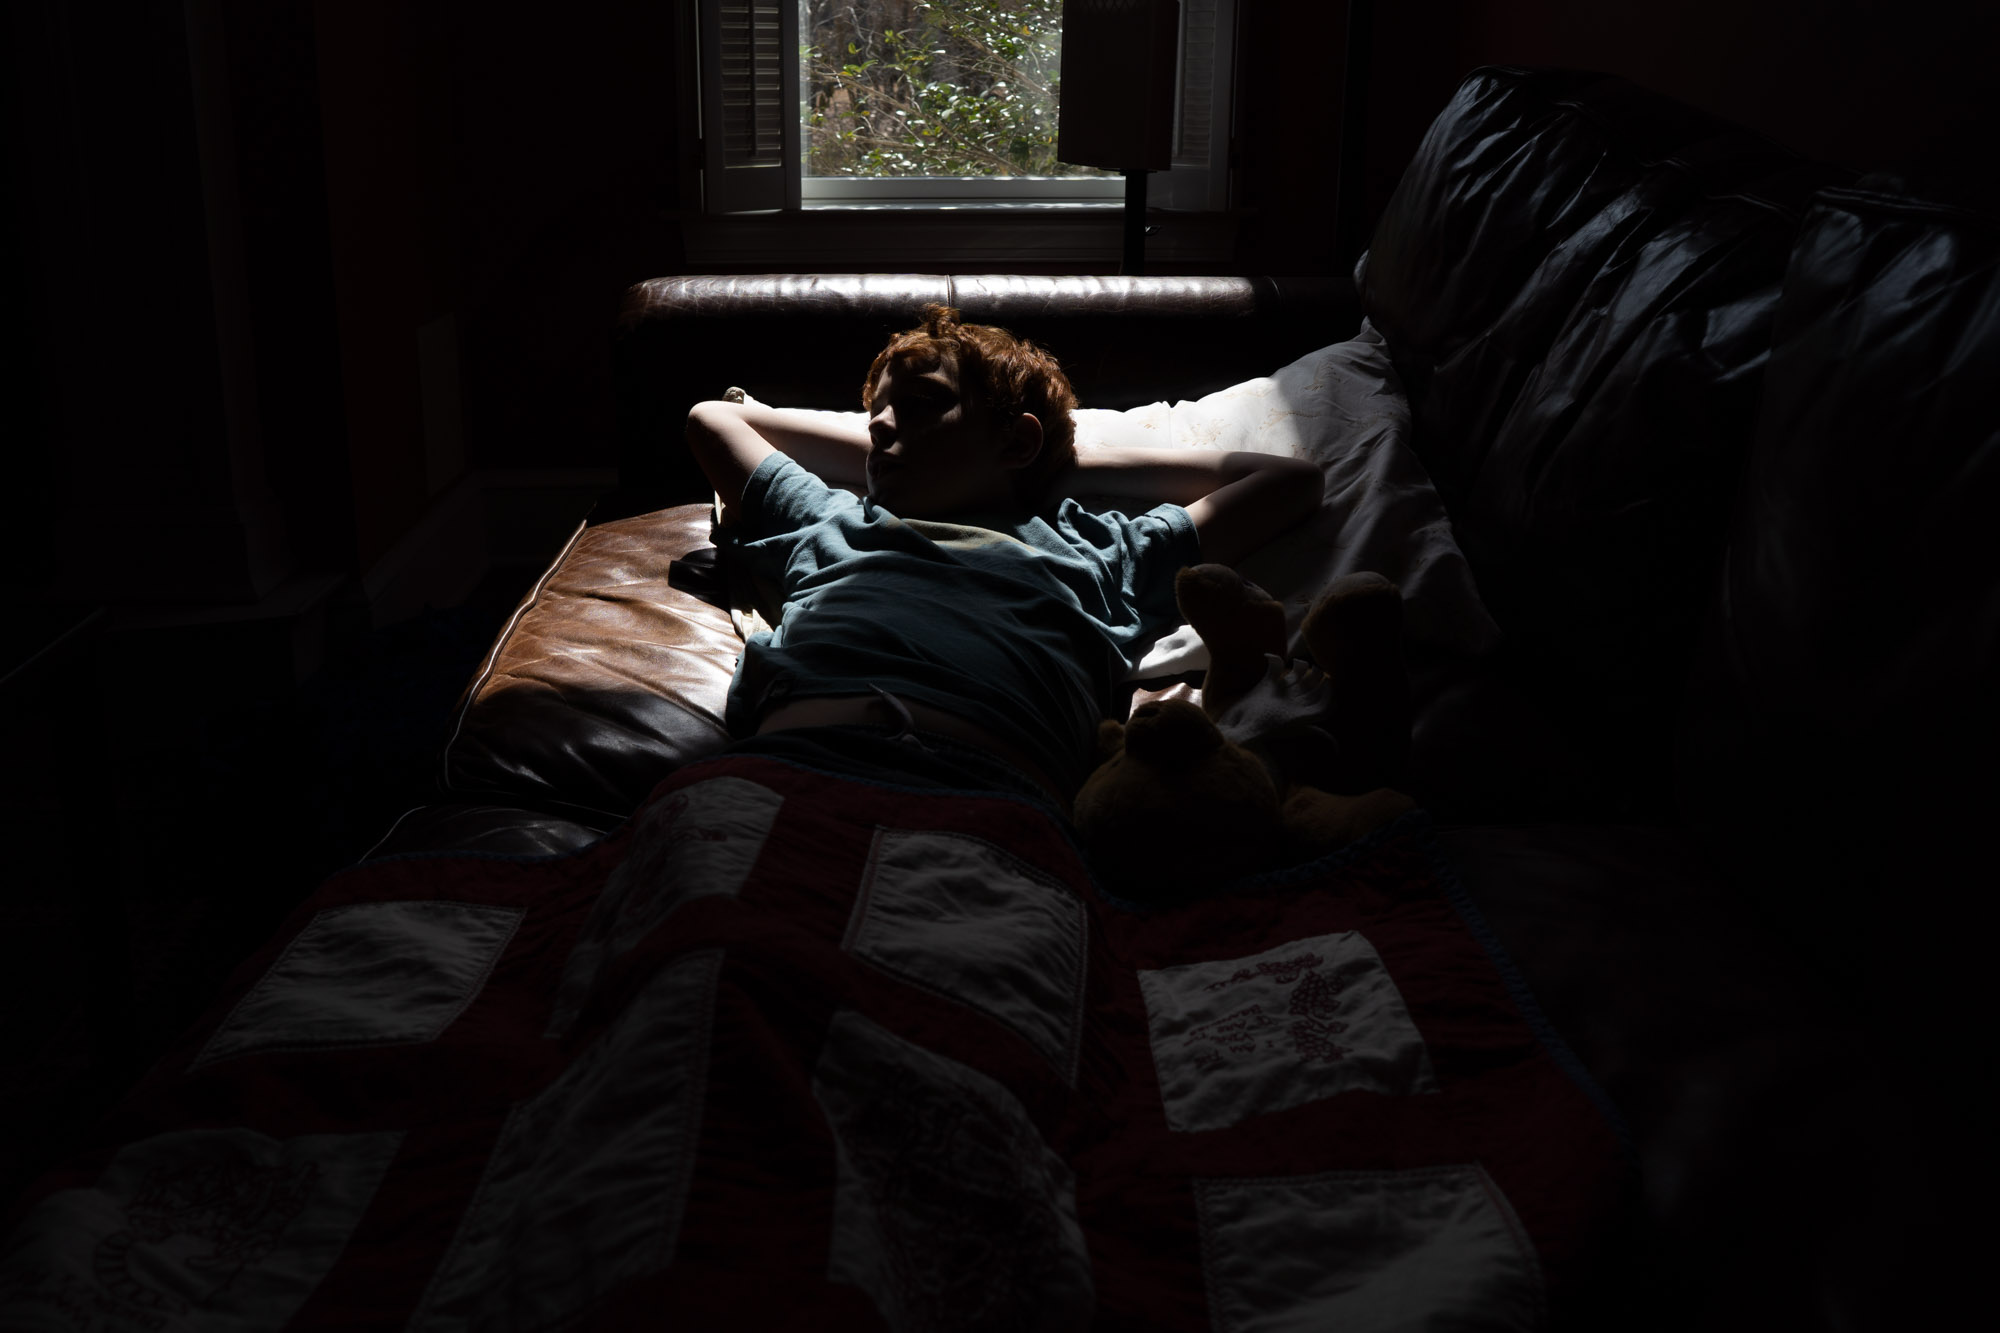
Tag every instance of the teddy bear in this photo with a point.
(1279, 762)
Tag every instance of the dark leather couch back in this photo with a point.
(805, 340)
(1576, 279)
(1719, 432)
(1843, 737)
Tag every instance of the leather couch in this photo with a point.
(1716, 428)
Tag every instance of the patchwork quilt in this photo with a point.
(794, 1051)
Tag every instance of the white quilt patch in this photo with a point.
(1367, 1252)
(1239, 1037)
(702, 841)
(587, 1182)
(949, 1209)
(976, 923)
(368, 974)
(208, 1231)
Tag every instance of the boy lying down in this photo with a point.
(965, 623)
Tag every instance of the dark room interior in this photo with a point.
(314, 306)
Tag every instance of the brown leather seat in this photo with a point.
(611, 674)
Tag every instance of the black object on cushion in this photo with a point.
(1576, 279)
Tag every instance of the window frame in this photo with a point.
(735, 216)
(958, 191)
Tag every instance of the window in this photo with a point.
(922, 100)
(929, 104)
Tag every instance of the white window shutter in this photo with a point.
(749, 105)
(1199, 179)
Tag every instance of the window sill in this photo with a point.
(959, 206)
(905, 237)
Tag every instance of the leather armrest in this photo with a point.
(473, 826)
(607, 678)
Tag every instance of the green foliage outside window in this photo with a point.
(932, 87)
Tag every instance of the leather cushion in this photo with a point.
(1576, 279)
(611, 674)
(1787, 1159)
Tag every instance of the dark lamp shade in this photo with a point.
(1117, 104)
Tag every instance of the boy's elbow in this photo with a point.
(706, 423)
(704, 418)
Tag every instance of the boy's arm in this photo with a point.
(1238, 501)
(729, 440)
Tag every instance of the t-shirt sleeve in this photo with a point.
(1164, 542)
(780, 497)
(780, 524)
(1143, 553)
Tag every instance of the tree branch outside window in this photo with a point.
(932, 87)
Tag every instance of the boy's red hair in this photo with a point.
(997, 373)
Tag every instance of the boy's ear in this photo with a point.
(1024, 442)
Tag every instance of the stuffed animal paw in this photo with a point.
(1280, 717)
(1359, 740)
(1355, 633)
(1173, 806)
(1282, 760)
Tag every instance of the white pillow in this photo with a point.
(1342, 407)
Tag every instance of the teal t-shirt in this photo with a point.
(1025, 626)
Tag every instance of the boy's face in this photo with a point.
(932, 453)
